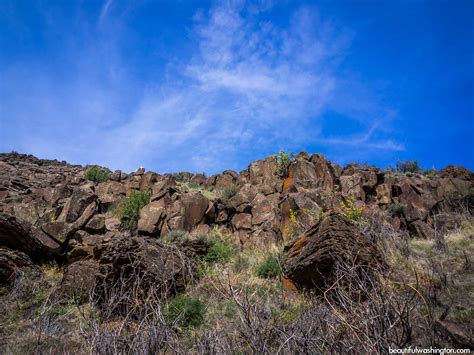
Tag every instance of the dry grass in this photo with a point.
(361, 312)
(210, 193)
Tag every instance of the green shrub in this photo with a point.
(228, 192)
(269, 268)
(97, 174)
(130, 207)
(408, 166)
(186, 311)
(283, 162)
(219, 251)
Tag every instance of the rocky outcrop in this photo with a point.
(310, 258)
(48, 202)
(143, 266)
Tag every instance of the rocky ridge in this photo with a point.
(49, 209)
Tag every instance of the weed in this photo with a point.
(208, 192)
(240, 263)
(293, 216)
(429, 172)
(176, 236)
(350, 209)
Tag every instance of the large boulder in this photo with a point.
(417, 195)
(310, 259)
(243, 197)
(456, 172)
(162, 187)
(264, 209)
(226, 179)
(143, 266)
(186, 212)
(421, 229)
(314, 172)
(110, 193)
(20, 235)
(77, 204)
(151, 218)
(242, 221)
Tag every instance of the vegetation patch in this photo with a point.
(269, 268)
(350, 209)
(186, 311)
(129, 209)
(229, 192)
(219, 252)
(176, 236)
(209, 192)
(408, 166)
(283, 162)
(97, 174)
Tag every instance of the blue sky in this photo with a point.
(207, 86)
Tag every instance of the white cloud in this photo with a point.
(250, 88)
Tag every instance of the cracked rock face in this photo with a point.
(310, 258)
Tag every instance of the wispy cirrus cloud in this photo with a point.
(105, 9)
(249, 88)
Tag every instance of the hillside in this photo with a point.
(289, 255)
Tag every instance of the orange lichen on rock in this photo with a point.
(287, 183)
(288, 284)
(297, 246)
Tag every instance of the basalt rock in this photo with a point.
(12, 264)
(20, 235)
(143, 266)
(52, 201)
(310, 259)
(79, 280)
(151, 219)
